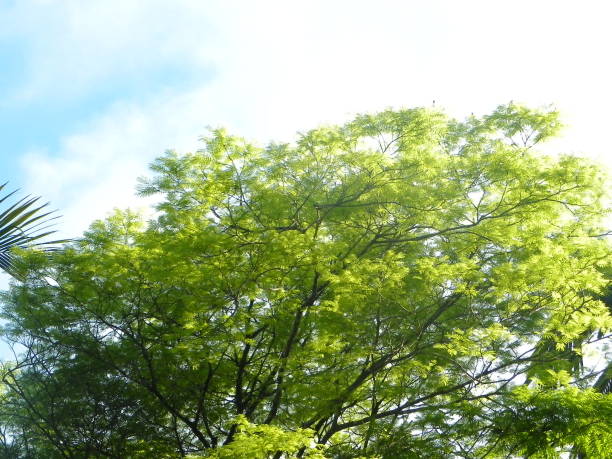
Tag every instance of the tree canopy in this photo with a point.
(405, 285)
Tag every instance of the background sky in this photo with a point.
(92, 91)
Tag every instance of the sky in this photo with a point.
(91, 92)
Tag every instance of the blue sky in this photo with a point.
(92, 91)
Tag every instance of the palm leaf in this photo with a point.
(24, 224)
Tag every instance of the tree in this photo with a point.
(379, 289)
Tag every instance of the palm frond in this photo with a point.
(604, 382)
(25, 223)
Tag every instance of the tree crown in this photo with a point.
(382, 288)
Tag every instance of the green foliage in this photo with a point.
(265, 441)
(23, 224)
(540, 423)
(379, 289)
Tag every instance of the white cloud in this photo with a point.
(284, 66)
(96, 170)
(73, 46)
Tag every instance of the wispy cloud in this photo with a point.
(266, 69)
(95, 170)
(72, 47)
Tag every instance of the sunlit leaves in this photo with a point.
(380, 288)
